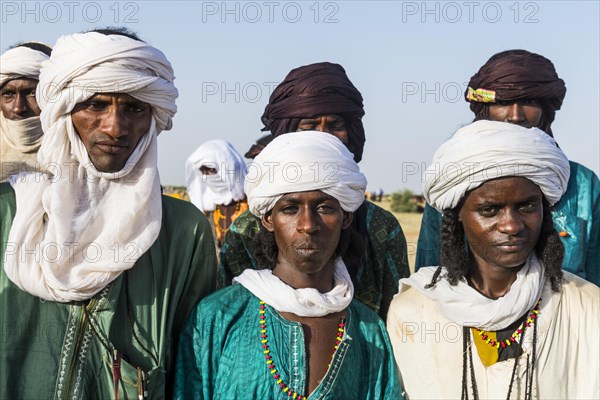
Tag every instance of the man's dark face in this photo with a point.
(110, 126)
(331, 123)
(502, 220)
(526, 113)
(17, 99)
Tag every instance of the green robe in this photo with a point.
(383, 263)
(64, 350)
(221, 355)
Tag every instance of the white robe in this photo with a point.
(428, 348)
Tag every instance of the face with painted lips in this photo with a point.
(110, 126)
(502, 220)
(307, 228)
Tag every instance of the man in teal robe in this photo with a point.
(292, 330)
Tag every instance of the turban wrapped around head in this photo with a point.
(88, 63)
(20, 62)
(301, 162)
(486, 150)
(20, 136)
(120, 212)
(517, 75)
(227, 185)
(312, 90)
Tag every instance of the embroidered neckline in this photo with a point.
(269, 360)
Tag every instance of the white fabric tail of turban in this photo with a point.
(227, 185)
(89, 226)
(300, 162)
(486, 150)
(20, 62)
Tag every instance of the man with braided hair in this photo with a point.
(498, 307)
(322, 98)
(523, 88)
(98, 270)
(20, 128)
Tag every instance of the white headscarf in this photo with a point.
(304, 161)
(479, 152)
(299, 162)
(20, 62)
(89, 226)
(227, 185)
(23, 136)
(487, 150)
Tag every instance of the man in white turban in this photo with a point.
(102, 269)
(248, 340)
(499, 307)
(320, 97)
(20, 128)
(523, 88)
(215, 174)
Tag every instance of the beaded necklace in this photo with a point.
(529, 372)
(269, 360)
(516, 334)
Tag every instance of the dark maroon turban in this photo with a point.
(517, 75)
(312, 90)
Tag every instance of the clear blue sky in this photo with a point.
(410, 59)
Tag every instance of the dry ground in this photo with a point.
(410, 223)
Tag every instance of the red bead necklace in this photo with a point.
(269, 360)
(516, 334)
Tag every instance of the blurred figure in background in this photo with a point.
(215, 175)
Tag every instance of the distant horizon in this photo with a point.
(410, 60)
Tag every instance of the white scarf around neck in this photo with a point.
(306, 302)
(467, 307)
(23, 136)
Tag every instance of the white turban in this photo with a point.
(301, 162)
(20, 62)
(96, 224)
(486, 150)
(227, 185)
(21, 136)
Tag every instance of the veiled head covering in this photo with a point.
(486, 150)
(301, 162)
(517, 75)
(20, 136)
(77, 206)
(20, 62)
(312, 90)
(227, 185)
